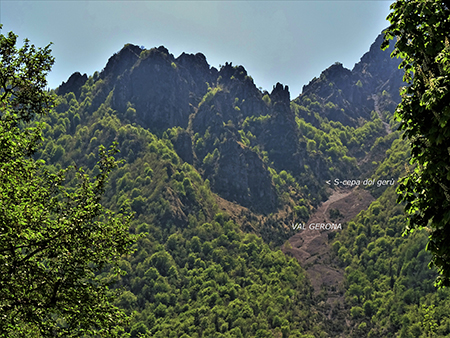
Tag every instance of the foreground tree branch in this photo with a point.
(53, 240)
(421, 29)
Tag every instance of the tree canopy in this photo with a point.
(55, 235)
(421, 29)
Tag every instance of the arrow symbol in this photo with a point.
(328, 182)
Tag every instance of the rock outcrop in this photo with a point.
(154, 87)
(243, 178)
(351, 91)
(73, 84)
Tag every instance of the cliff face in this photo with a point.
(242, 177)
(378, 71)
(73, 84)
(352, 90)
(156, 89)
(237, 173)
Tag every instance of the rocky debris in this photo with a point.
(311, 247)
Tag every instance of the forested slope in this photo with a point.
(215, 171)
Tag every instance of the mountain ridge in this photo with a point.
(217, 170)
(223, 111)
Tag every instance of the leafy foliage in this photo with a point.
(213, 279)
(389, 287)
(421, 28)
(207, 266)
(54, 237)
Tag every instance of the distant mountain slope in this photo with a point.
(226, 118)
(352, 91)
(217, 171)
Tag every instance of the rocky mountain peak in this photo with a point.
(228, 72)
(191, 61)
(337, 74)
(163, 49)
(375, 54)
(378, 71)
(195, 69)
(280, 93)
(231, 131)
(351, 91)
(121, 61)
(73, 84)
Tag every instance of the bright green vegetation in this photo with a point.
(212, 280)
(195, 272)
(389, 287)
(421, 31)
(211, 204)
(55, 235)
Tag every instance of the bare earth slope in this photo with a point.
(311, 247)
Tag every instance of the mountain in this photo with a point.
(356, 92)
(217, 172)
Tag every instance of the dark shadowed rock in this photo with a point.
(280, 94)
(243, 178)
(73, 84)
(351, 91)
(155, 89)
(197, 72)
(183, 147)
(121, 61)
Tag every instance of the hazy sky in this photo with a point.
(276, 41)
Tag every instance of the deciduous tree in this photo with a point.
(421, 29)
(54, 237)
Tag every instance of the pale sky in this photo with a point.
(276, 41)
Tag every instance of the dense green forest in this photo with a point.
(215, 170)
(388, 286)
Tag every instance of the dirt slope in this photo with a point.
(311, 247)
